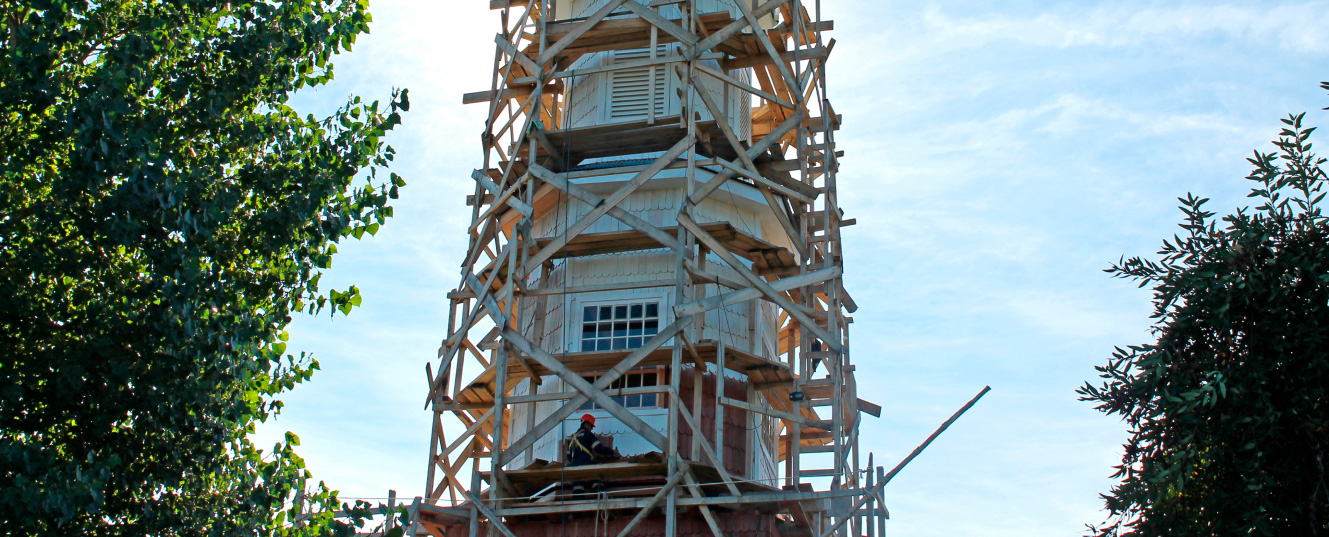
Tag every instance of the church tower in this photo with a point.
(655, 242)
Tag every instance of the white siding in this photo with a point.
(625, 96)
(587, 93)
(547, 446)
(659, 207)
(764, 452)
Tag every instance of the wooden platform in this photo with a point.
(760, 370)
(773, 379)
(531, 481)
(631, 32)
(765, 257)
(630, 138)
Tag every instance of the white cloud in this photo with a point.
(1068, 315)
(1290, 27)
(1071, 113)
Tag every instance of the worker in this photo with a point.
(584, 448)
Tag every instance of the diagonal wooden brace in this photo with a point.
(598, 395)
(744, 295)
(500, 200)
(649, 15)
(771, 139)
(466, 436)
(719, 249)
(500, 319)
(552, 151)
(495, 521)
(776, 207)
(516, 55)
(585, 26)
(703, 68)
(609, 203)
(706, 447)
(655, 500)
(628, 218)
(605, 380)
(775, 54)
(454, 343)
(695, 491)
(737, 26)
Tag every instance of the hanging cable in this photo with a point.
(566, 199)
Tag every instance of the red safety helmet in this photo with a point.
(588, 419)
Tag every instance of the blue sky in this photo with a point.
(999, 155)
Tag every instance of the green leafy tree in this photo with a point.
(1229, 408)
(163, 214)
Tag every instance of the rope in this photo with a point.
(567, 276)
(601, 513)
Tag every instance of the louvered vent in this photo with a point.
(629, 88)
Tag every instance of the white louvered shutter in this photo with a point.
(629, 88)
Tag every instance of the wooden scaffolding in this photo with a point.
(532, 165)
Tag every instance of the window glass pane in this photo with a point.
(609, 328)
(648, 379)
(587, 405)
(648, 399)
(618, 399)
(633, 401)
(634, 381)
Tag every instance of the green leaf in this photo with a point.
(1225, 410)
(165, 211)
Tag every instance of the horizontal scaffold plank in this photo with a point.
(539, 478)
(766, 258)
(774, 500)
(626, 32)
(764, 255)
(630, 138)
(481, 390)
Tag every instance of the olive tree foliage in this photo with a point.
(163, 214)
(1229, 408)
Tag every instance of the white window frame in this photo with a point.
(576, 333)
(633, 401)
